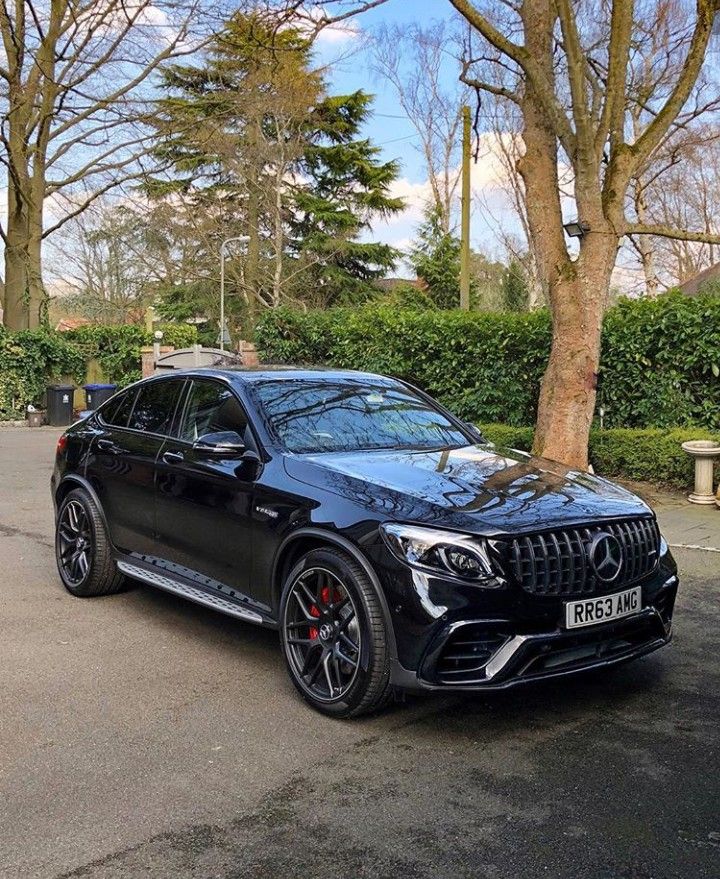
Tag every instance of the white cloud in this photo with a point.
(338, 33)
(415, 195)
(489, 172)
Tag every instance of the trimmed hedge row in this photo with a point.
(31, 359)
(660, 363)
(648, 455)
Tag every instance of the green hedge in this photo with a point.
(649, 455)
(659, 367)
(31, 359)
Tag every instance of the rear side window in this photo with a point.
(155, 406)
(211, 408)
(118, 410)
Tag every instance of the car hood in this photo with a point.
(478, 488)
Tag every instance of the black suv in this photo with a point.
(391, 545)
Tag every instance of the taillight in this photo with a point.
(61, 444)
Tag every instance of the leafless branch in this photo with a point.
(669, 232)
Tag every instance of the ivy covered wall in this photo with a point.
(31, 359)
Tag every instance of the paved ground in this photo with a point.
(141, 736)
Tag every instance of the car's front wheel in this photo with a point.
(82, 548)
(333, 635)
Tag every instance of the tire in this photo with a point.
(80, 533)
(328, 603)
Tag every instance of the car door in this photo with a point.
(204, 499)
(121, 466)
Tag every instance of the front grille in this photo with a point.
(556, 562)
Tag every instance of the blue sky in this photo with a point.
(351, 54)
(356, 72)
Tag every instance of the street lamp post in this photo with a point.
(240, 239)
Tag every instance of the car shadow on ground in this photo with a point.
(553, 700)
(187, 617)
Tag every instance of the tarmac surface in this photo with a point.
(143, 736)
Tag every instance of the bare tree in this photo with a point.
(655, 66)
(414, 60)
(570, 80)
(506, 148)
(107, 263)
(573, 95)
(73, 77)
(686, 195)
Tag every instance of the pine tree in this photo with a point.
(515, 291)
(253, 138)
(348, 186)
(435, 256)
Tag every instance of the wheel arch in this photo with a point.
(74, 480)
(303, 541)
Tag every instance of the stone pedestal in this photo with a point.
(705, 453)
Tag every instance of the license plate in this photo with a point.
(590, 611)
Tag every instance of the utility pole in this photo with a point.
(465, 215)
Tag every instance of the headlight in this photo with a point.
(443, 552)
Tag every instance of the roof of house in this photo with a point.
(71, 323)
(693, 285)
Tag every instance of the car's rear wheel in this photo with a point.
(82, 548)
(333, 635)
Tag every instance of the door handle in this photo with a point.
(107, 445)
(173, 457)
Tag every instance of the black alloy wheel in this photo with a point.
(333, 635)
(75, 543)
(322, 634)
(83, 551)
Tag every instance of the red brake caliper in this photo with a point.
(325, 597)
(313, 629)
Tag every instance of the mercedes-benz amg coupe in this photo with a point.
(390, 544)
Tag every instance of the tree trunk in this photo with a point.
(15, 303)
(279, 235)
(568, 391)
(645, 245)
(577, 289)
(252, 268)
(36, 296)
(25, 300)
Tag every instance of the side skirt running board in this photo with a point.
(192, 593)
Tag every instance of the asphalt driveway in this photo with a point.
(144, 736)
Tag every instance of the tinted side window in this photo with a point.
(118, 411)
(210, 408)
(155, 406)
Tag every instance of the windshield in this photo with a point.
(349, 415)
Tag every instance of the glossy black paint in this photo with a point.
(236, 522)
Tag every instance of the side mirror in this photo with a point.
(225, 443)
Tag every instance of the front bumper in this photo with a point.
(492, 654)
